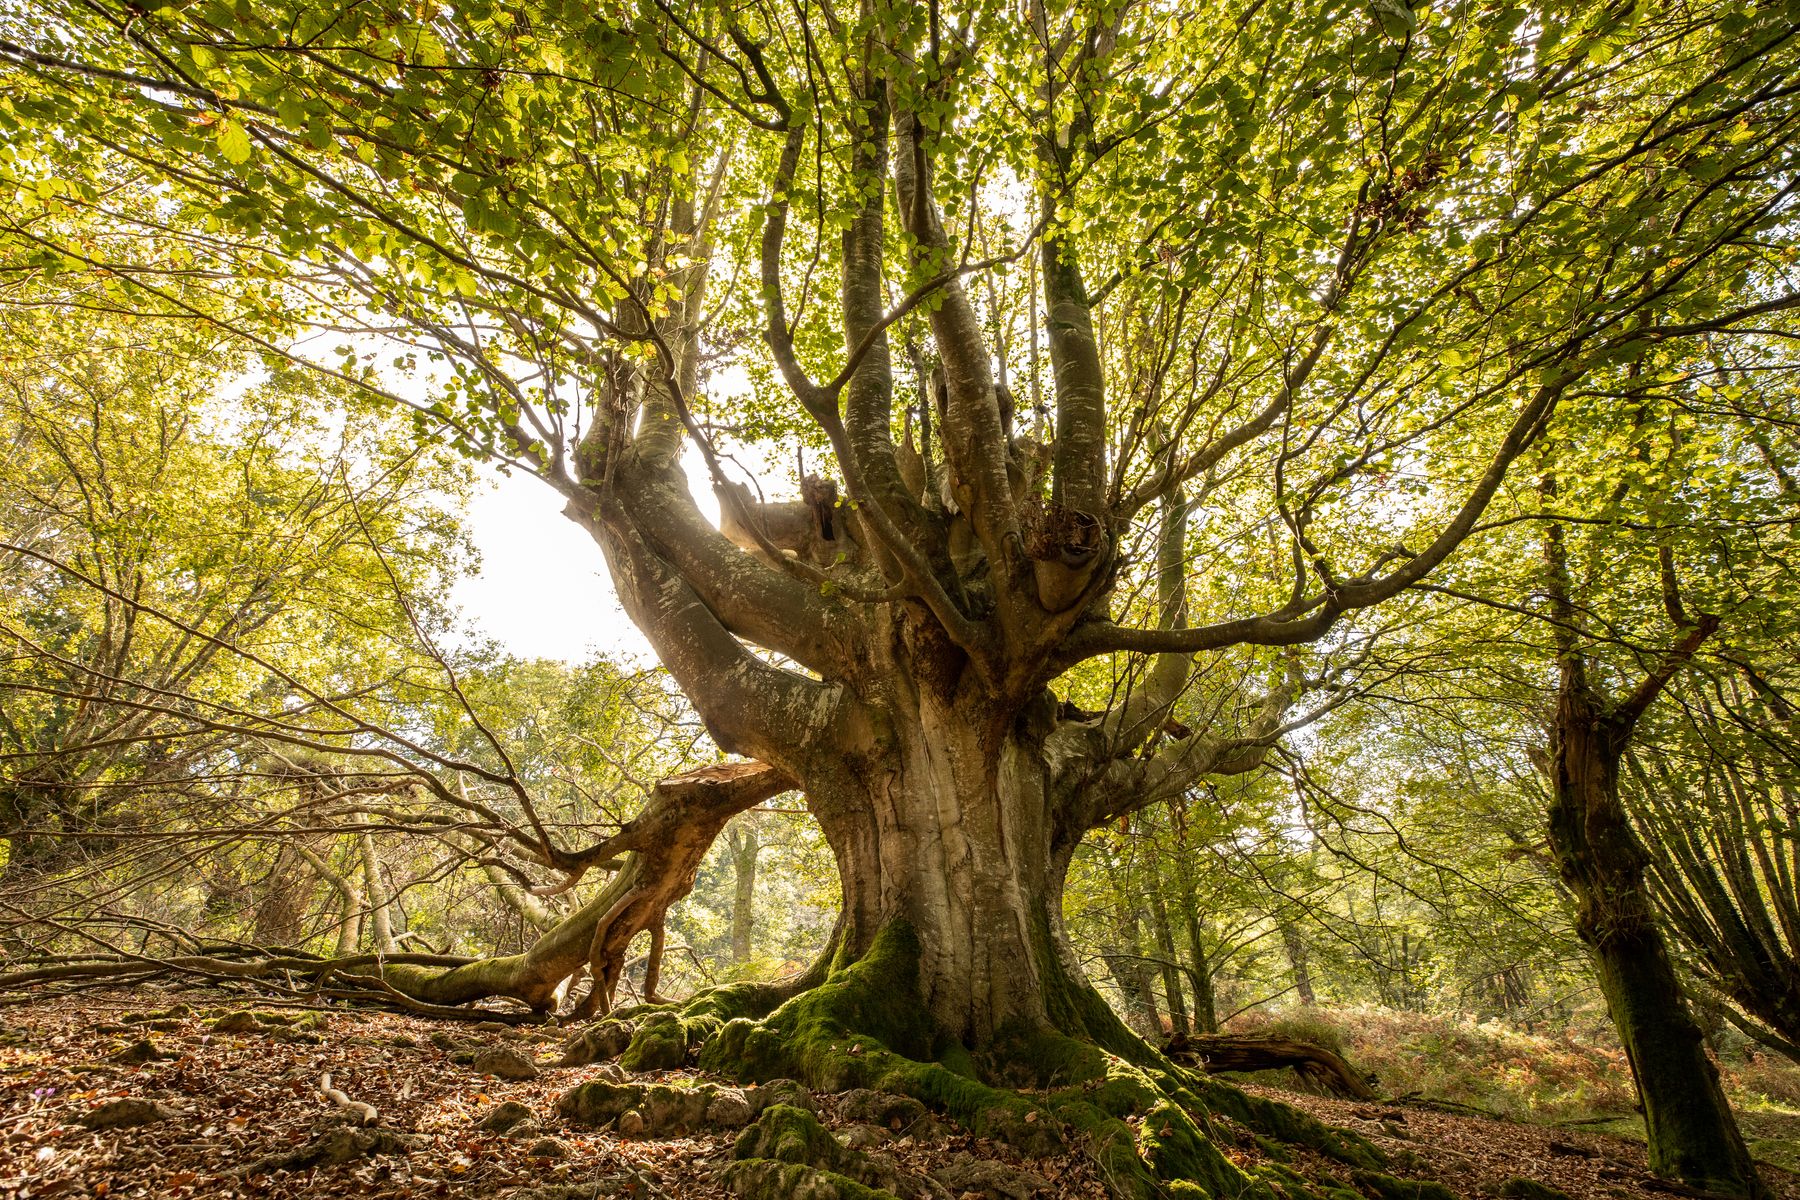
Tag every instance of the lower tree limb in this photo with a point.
(671, 837)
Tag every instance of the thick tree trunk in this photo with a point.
(946, 821)
(1692, 1134)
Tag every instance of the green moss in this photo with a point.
(763, 1179)
(791, 1135)
(1283, 1122)
(1144, 1121)
(1272, 1148)
(1388, 1187)
(664, 1034)
(660, 1044)
(599, 1102)
(788, 1154)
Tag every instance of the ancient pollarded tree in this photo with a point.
(1316, 274)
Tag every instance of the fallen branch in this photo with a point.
(365, 1113)
(1316, 1066)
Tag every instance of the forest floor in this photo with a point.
(232, 1105)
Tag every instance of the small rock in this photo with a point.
(782, 1091)
(237, 1022)
(401, 1042)
(728, 1109)
(525, 1131)
(631, 1123)
(864, 1137)
(504, 1117)
(444, 1040)
(505, 1063)
(127, 1113)
(612, 1073)
(547, 1148)
(597, 1043)
(140, 1052)
(991, 1180)
(500, 1028)
(880, 1108)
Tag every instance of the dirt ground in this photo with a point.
(234, 1103)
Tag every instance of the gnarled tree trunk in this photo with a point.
(1692, 1134)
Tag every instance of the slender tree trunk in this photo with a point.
(744, 846)
(1692, 1134)
(381, 926)
(350, 901)
(1131, 972)
(1171, 969)
(1299, 961)
(286, 893)
(1206, 999)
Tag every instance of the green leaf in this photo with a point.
(234, 141)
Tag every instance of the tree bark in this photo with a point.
(1316, 1066)
(1692, 1134)
(1200, 966)
(745, 847)
(949, 828)
(1299, 961)
(287, 891)
(1171, 969)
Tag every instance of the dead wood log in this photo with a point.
(1317, 1068)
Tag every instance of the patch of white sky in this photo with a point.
(540, 587)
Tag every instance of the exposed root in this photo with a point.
(338, 1144)
(365, 1114)
(787, 1153)
(1152, 1127)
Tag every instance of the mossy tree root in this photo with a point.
(1151, 1126)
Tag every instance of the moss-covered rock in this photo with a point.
(782, 1091)
(664, 1109)
(885, 1109)
(597, 1043)
(792, 1138)
(763, 1179)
